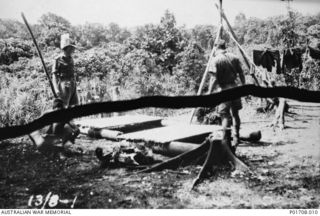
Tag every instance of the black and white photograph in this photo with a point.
(159, 104)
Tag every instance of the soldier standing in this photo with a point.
(65, 87)
(63, 75)
(225, 68)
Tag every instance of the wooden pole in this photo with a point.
(204, 77)
(246, 58)
(39, 53)
(220, 4)
(207, 67)
(233, 36)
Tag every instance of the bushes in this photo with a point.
(24, 90)
(192, 64)
(310, 75)
(97, 62)
(12, 49)
(155, 59)
(20, 101)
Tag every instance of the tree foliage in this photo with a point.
(153, 59)
(52, 27)
(12, 49)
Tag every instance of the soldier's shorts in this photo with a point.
(226, 107)
(68, 92)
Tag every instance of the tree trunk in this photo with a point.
(217, 152)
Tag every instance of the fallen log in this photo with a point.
(100, 133)
(175, 148)
(179, 160)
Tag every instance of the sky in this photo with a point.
(130, 13)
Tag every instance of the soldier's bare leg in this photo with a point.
(235, 127)
(73, 100)
(226, 132)
(279, 116)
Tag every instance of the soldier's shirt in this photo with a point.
(63, 67)
(225, 66)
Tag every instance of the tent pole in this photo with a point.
(235, 39)
(204, 77)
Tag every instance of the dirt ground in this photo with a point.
(286, 166)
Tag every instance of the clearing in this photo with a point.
(287, 163)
